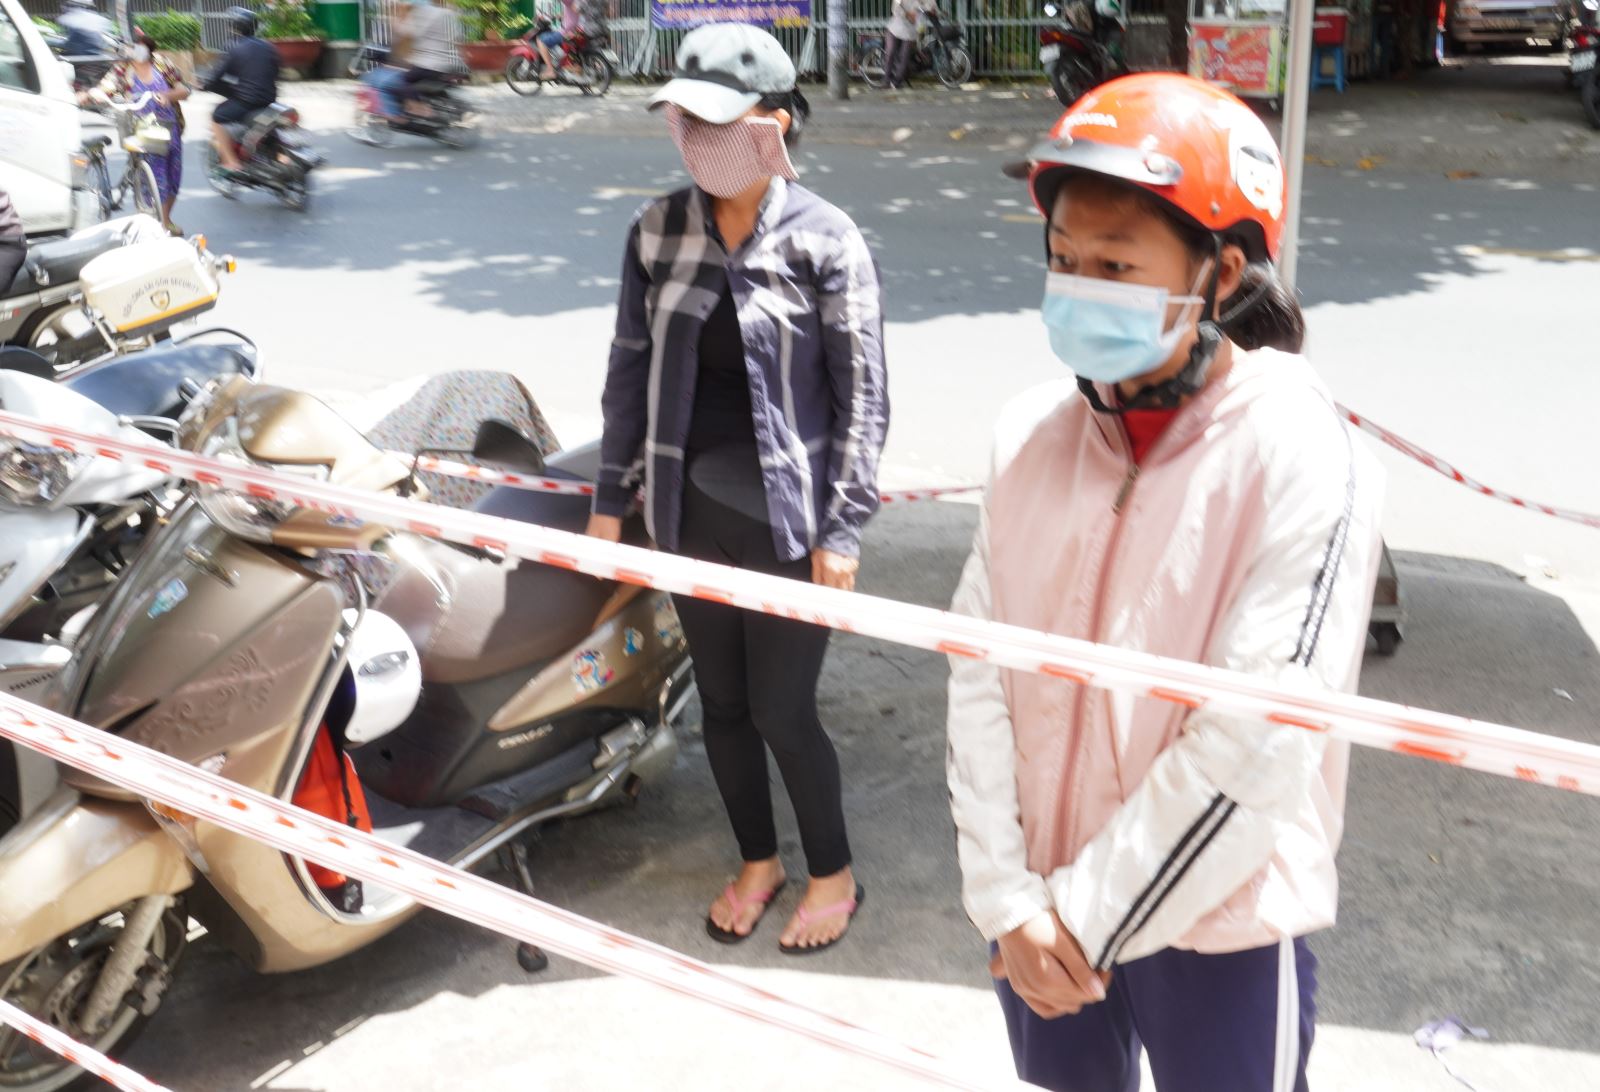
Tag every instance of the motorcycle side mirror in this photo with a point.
(1051, 10)
(503, 445)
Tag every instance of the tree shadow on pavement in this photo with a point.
(1462, 894)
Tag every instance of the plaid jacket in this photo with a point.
(811, 316)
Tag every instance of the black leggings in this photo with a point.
(13, 252)
(758, 686)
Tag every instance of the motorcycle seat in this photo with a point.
(145, 384)
(57, 263)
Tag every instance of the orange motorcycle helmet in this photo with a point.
(1194, 146)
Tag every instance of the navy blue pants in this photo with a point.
(1210, 1023)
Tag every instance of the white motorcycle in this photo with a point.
(115, 288)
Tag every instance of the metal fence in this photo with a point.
(1001, 35)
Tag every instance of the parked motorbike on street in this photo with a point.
(43, 307)
(584, 61)
(70, 526)
(1085, 48)
(940, 48)
(124, 299)
(434, 109)
(477, 699)
(274, 156)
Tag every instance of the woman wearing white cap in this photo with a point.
(746, 393)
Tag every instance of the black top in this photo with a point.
(723, 462)
(253, 64)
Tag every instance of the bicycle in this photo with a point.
(138, 180)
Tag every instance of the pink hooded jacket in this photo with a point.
(1248, 539)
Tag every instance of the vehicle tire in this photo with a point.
(1591, 98)
(597, 75)
(371, 129)
(43, 335)
(98, 179)
(1071, 79)
(146, 194)
(461, 133)
(228, 189)
(52, 983)
(875, 68)
(1387, 637)
(10, 788)
(296, 194)
(522, 76)
(954, 67)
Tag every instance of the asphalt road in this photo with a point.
(1462, 893)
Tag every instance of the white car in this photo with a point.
(41, 134)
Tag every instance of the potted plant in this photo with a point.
(176, 35)
(492, 27)
(288, 25)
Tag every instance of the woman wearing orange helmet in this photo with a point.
(1147, 869)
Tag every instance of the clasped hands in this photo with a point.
(1047, 968)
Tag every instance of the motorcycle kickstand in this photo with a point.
(531, 957)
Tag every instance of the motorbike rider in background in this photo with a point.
(427, 33)
(247, 78)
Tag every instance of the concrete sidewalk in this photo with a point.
(1501, 117)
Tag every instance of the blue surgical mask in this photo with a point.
(1108, 331)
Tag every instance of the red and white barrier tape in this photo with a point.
(86, 1058)
(1394, 440)
(533, 483)
(1433, 462)
(279, 824)
(1458, 741)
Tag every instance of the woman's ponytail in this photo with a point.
(1263, 313)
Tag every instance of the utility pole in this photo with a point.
(838, 49)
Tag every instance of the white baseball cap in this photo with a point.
(724, 69)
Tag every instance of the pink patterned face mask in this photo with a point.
(726, 160)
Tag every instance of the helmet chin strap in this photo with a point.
(1170, 393)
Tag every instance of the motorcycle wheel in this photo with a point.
(954, 67)
(296, 193)
(522, 76)
(1071, 79)
(54, 981)
(875, 68)
(1591, 99)
(10, 789)
(597, 75)
(146, 195)
(228, 189)
(371, 129)
(462, 132)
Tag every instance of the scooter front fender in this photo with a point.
(76, 859)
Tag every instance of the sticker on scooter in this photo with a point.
(175, 592)
(668, 627)
(632, 642)
(590, 671)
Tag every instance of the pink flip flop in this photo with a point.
(728, 936)
(806, 917)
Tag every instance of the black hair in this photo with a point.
(799, 112)
(1262, 314)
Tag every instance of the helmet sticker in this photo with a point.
(1254, 162)
(1072, 121)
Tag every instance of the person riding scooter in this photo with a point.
(429, 33)
(86, 29)
(247, 78)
